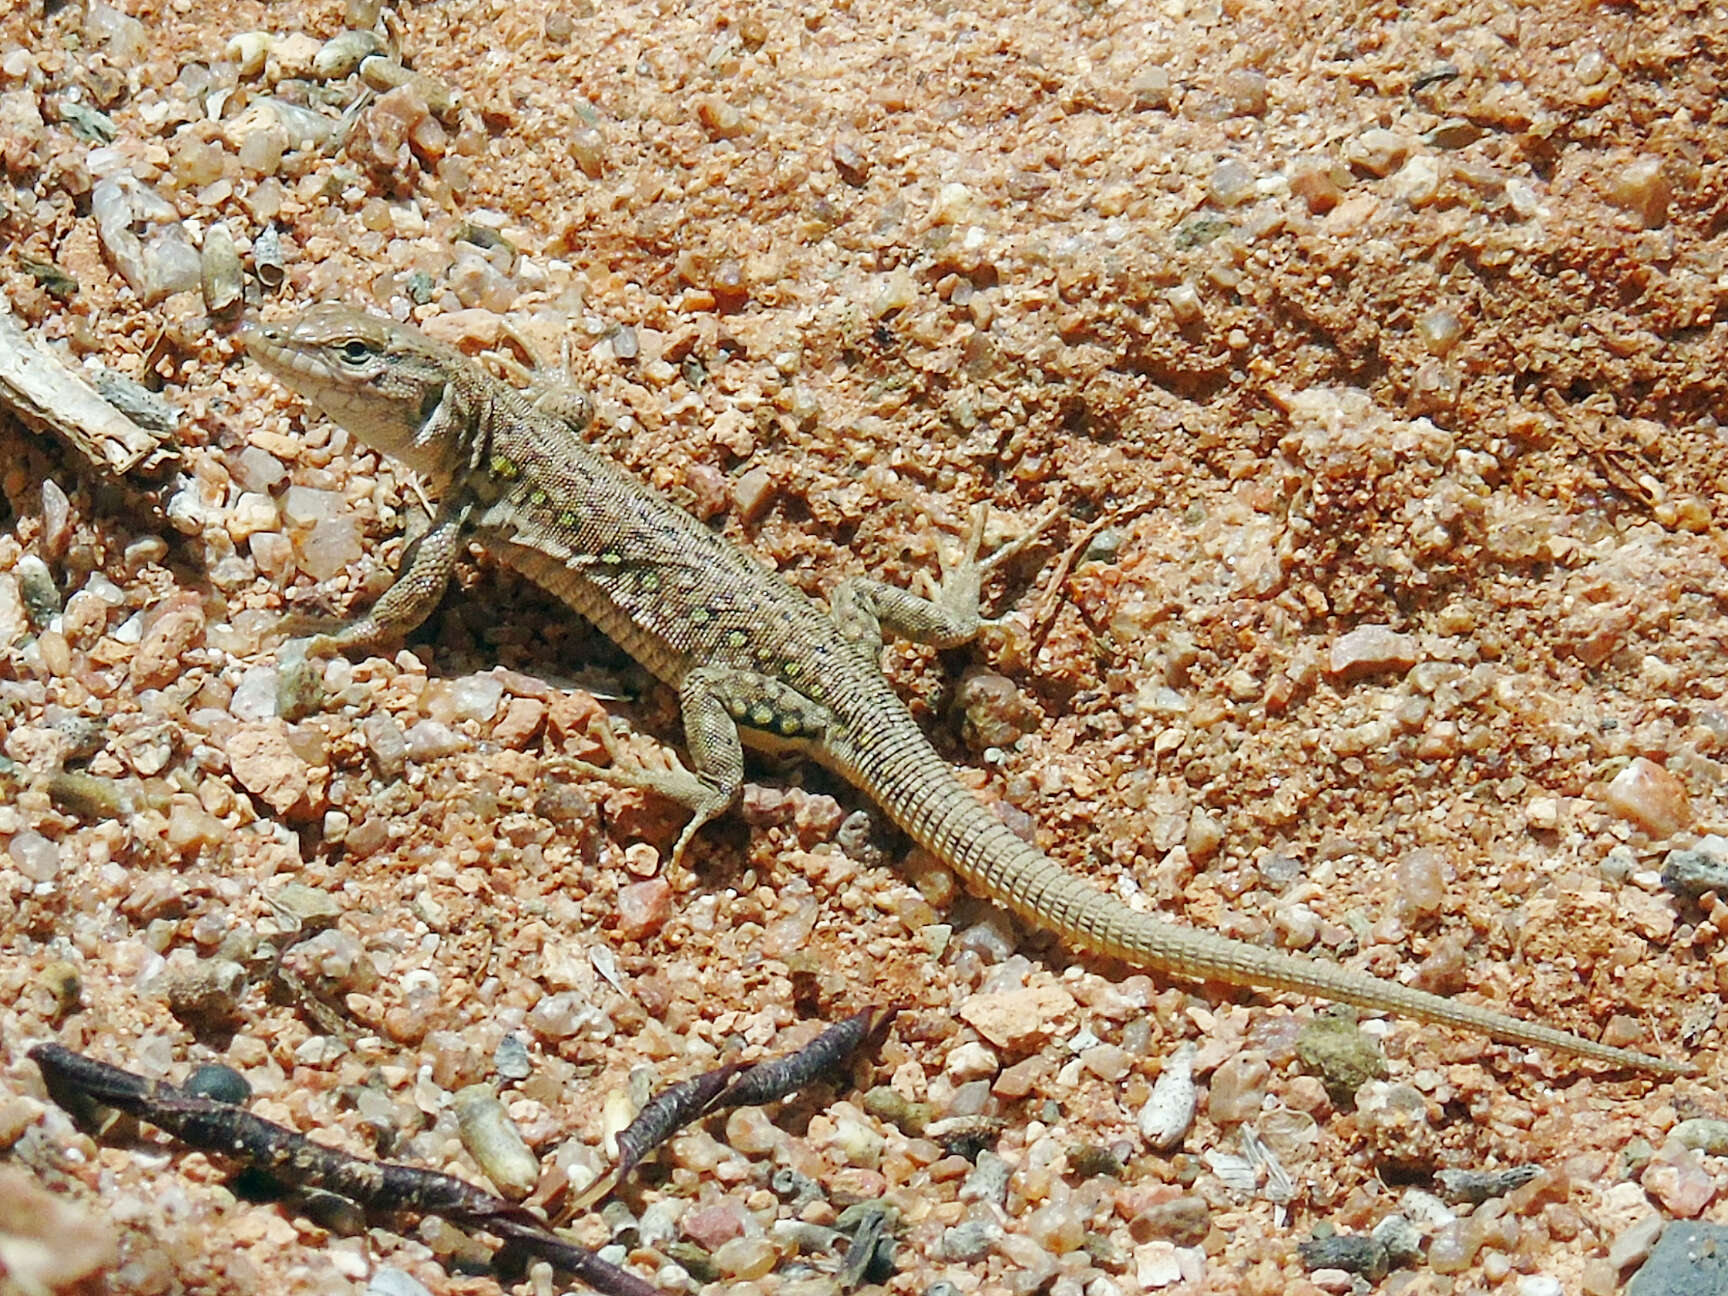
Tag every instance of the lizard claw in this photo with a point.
(1014, 548)
(962, 581)
(704, 801)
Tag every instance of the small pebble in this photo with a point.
(1641, 187)
(1454, 133)
(510, 1059)
(267, 255)
(394, 1282)
(1420, 880)
(888, 1104)
(1417, 182)
(1351, 1252)
(711, 1227)
(1231, 183)
(223, 1083)
(1680, 1182)
(333, 964)
(35, 856)
(745, 1257)
(858, 1142)
(1169, 1113)
(562, 1015)
(588, 149)
(56, 520)
(1371, 649)
(65, 984)
(248, 50)
(387, 743)
(208, 993)
(36, 585)
(1395, 1120)
(748, 1130)
(1319, 182)
(495, 1143)
(1156, 1266)
(299, 689)
(1184, 303)
(340, 55)
(306, 908)
(1150, 87)
(658, 1225)
(1634, 1242)
(971, 1061)
(1016, 1019)
(970, 1241)
(1692, 873)
(1651, 797)
(1184, 1220)
(1245, 90)
(643, 908)
(751, 494)
(988, 1181)
(1238, 1088)
(1401, 1239)
(1377, 151)
(429, 740)
(219, 277)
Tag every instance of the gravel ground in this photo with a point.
(1373, 353)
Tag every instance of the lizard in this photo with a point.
(754, 660)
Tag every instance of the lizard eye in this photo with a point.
(354, 351)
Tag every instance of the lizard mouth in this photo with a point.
(270, 346)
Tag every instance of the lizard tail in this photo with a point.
(947, 820)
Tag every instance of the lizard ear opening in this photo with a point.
(430, 399)
(429, 443)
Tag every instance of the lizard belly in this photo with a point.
(593, 602)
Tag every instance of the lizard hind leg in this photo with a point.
(712, 701)
(720, 704)
(861, 608)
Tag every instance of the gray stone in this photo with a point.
(1691, 1258)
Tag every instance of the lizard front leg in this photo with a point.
(425, 573)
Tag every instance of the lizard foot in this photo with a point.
(963, 579)
(704, 800)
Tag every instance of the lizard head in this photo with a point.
(386, 383)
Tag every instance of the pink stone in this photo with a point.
(1017, 1018)
(1650, 797)
(265, 765)
(522, 720)
(643, 908)
(1369, 649)
(712, 1226)
(1680, 1183)
(177, 626)
(1239, 1088)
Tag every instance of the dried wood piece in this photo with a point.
(49, 395)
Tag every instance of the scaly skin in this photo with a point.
(753, 659)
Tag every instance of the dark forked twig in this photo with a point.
(730, 1086)
(229, 1130)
